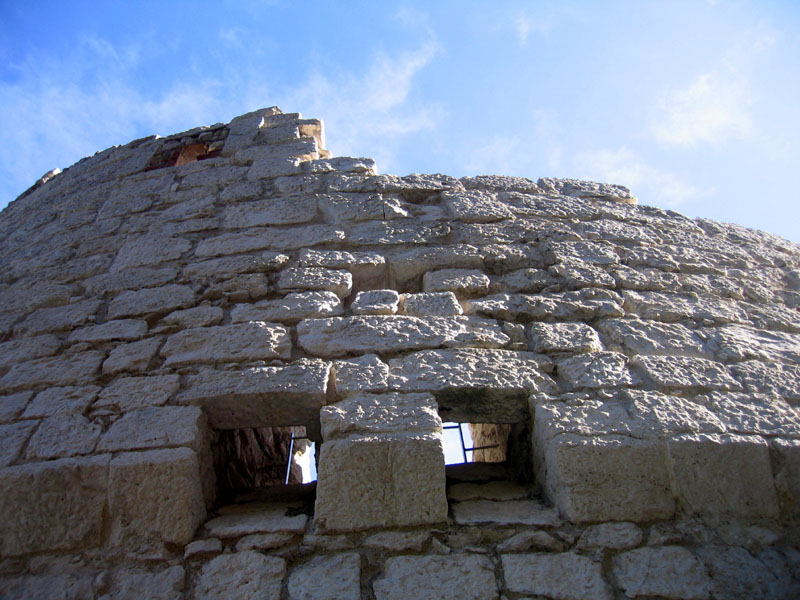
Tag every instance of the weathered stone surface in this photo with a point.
(376, 302)
(370, 414)
(335, 577)
(580, 305)
(126, 394)
(14, 436)
(687, 373)
(340, 336)
(241, 576)
(777, 378)
(228, 266)
(396, 232)
(737, 575)
(12, 405)
(362, 374)
(285, 238)
(458, 577)
(61, 401)
(155, 300)
(615, 536)
(39, 294)
(593, 253)
(167, 584)
(564, 337)
(135, 356)
(564, 576)
(675, 307)
(358, 263)
(593, 371)
(666, 571)
(634, 336)
(475, 206)
(69, 519)
(149, 250)
(123, 329)
(410, 264)
(254, 340)
(753, 414)
(589, 190)
(736, 342)
(67, 369)
(493, 490)
(157, 427)
(129, 279)
(290, 309)
(263, 541)
(432, 304)
(787, 474)
(155, 496)
(462, 282)
(199, 316)
(338, 281)
(20, 350)
(66, 586)
(723, 475)
(59, 318)
(360, 207)
(526, 540)
(252, 519)
(205, 547)
(60, 436)
(398, 541)
(275, 211)
(507, 512)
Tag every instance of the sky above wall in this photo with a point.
(692, 104)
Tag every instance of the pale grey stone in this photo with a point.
(157, 427)
(634, 336)
(736, 342)
(362, 374)
(397, 541)
(525, 540)
(494, 490)
(687, 373)
(738, 575)
(126, 394)
(167, 584)
(204, 547)
(525, 280)
(61, 436)
(255, 519)
(260, 396)
(754, 414)
(241, 576)
(135, 356)
(199, 316)
(229, 266)
(14, 436)
(787, 474)
(17, 299)
(594, 370)
(285, 238)
(462, 282)
(614, 536)
(372, 414)
(338, 208)
(65, 586)
(576, 275)
(273, 211)
(396, 232)
(154, 497)
(476, 206)
(23, 349)
(432, 304)
(70, 519)
(58, 318)
(777, 378)
(123, 329)
(726, 475)
(12, 405)
(580, 305)
(149, 250)
(290, 309)
(457, 577)
(253, 340)
(61, 401)
(156, 300)
(659, 306)
(358, 263)
(375, 302)
(507, 512)
(67, 369)
(666, 571)
(340, 336)
(593, 253)
(263, 541)
(334, 577)
(411, 263)
(587, 190)
(564, 337)
(643, 279)
(563, 576)
(129, 279)
(340, 282)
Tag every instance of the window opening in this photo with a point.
(474, 442)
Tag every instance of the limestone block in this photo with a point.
(738, 575)
(275, 211)
(39, 294)
(563, 576)
(149, 250)
(457, 577)
(135, 356)
(476, 206)
(340, 282)
(263, 541)
(240, 288)
(595, 370)
(61, 401)
(432, 304)
(68, 513)
(576, 275)
(67, 369)
(63, 435)
(614, 536)
(787, 474)
(376, 302)
(776, 378)
(687, 373)
(396, 232)
(123, 329)
(507, 512)
(252, 519)
(228, 266)
(199, 316)
(166, 584)
(360, 264)
(473, 385)
(526, 540)
(409, 264)
(334, 577)
(151, 300)
(717, 474)
(589, 190)
(634, 336)
(659, 306)
(12, 405)
(23, 349)
(129, 279)
(14, 436)
(525, 280)
(241, 576)
(611, 478)
(372, 414)
(65, 586)
(340, 336)
(736, 342)
(126, 394)
(362, 374)
(564, 337)
(580, 305)
(643, 279)
(338, 208)
(753, 414)
(284, 238)
(465, 283)
(254, 340)
(290, 309)
(665, 571)
(58, 318)
(494, 490)
(593, 253)
(261, 396)
(157, 427)
(397, 541)
(205, 547)
(155, 496)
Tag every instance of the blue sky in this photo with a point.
(692, 104)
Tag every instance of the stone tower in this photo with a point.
(177, 312)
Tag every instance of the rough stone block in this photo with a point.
(360, 264)
(594, 371)
(199, 316)
(67, 369)
(634, 336)
(666, 571)
(506, 512)
(229, 266)
(290, 309)
(683, 372)
(776, 378)
(396, 232)
(58, 318)
(254, 340)
(476, 206)
(157, 427)
(241, 576)
(432, 304)
(149, 250)
(65, 586)
(167, 584)
(129, 279)
(457, 577)
(659, 306)
(126, 394)
(285, 238)
(68, 512)
(564, 337)
(155, 496)
(376, 302)
(255, 518)
(335, 577)
(736, 342)
(151, 300)
(14, 436)
(787, 474)
(613, 536)
(566, 576)
(275, 211)
(580, 305)
(593, 253)
(20, 350)
(63, 435)
(723, 475)
(373, 414)
(61, 401)
(12, 405)
(338, 281)
(123, 329)
(362, 374)
(134, 357)
(753, 414)
(339, 208)
(409, 264)
(465, 283)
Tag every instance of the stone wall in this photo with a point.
(238, 277)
